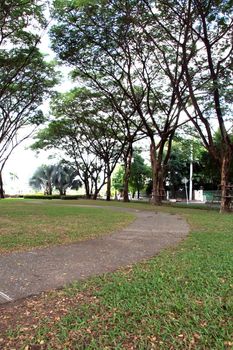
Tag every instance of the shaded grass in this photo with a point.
(181, 299)
(35, 223)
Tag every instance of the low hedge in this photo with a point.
(53, 196)
(41, 196)
(72, 197)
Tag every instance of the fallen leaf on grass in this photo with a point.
(228, 343)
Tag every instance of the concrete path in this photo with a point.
(28, 273)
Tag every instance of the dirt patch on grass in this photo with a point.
(19, 322)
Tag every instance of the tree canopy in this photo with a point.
(25, 77)
(165, 57)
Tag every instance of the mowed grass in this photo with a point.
(27, 224)
(181, 299)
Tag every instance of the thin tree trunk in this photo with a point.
(108, 196)
(50, 189)
(128, 161)
(156, 176)
(96, 189)
(225, 206)
(2, 195)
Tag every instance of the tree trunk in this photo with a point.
(87, 189)
(226, 199)
(50, 189)
(161, 182)
(128, 161)
(108, 196)
(2, 195)
(156, 176)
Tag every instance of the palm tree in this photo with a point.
(61, 176)
(65, 177)
(43, 178)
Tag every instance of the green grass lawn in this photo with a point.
(27, 224)
(180, 299)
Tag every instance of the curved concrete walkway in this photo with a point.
(27, 273)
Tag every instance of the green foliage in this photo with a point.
(118, 179)
(206, 170)
(16, 17)
(85, 129)
(53, 196)
(140, 173)
(25, 77)
(61, 177)
(43, 179)
(41, 196)
(72, 197)
(65, 177)
(163, 56)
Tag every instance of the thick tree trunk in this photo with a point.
(128, 161)
(226, 199)
(87, 189)
(2, 195)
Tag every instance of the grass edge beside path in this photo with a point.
(25, 225)
(181, 299)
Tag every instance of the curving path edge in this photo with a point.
(28, 273)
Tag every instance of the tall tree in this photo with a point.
(205, 55)
(108, 44)
(25, 77)
(85, 129)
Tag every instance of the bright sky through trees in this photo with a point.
(23, 161)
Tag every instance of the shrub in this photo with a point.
(41, 196)
(72, 197)
(53, 196)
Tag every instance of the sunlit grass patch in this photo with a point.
(30, 224)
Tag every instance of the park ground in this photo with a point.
(180, 299)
